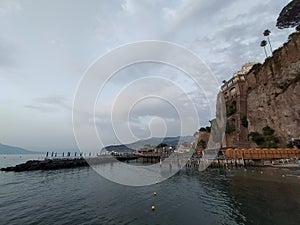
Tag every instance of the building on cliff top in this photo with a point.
(261, 96)
(235, 95)
(267, 95)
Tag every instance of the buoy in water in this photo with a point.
(154, 193)
(153, 207)
(283, 175)
(261, 172)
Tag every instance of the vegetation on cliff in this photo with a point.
(265, 140)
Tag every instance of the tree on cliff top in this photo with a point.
(289, 15)
(263, 44)
(266, 33)
(161, 145)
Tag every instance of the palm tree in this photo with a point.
(266, 34)
(263, 43)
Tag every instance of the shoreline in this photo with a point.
(196, 163)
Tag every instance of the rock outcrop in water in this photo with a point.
(63, 163)
(47, 164)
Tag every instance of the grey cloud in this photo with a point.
(225, 34)
(8, 54)
(49, 104)
(237, 40)
(51, 100)
(10, 7)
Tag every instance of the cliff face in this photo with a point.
(273, 95)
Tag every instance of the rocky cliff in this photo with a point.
(273, 95)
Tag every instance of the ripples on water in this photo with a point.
(81, 196)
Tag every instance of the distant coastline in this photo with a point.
(7, 149)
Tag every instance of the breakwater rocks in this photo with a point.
(47, 164)
(54, 164)
(64, 163)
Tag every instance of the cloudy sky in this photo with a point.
(47, 46)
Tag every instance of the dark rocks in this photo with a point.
(47, 164)
(64, 163)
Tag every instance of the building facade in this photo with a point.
(235, 95)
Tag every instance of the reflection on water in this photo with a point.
(81, 196)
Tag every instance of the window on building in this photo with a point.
(232, 91)
(234, 105)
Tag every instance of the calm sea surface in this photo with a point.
(81, 196)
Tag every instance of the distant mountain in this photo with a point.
(170, 141)
(6, 149)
